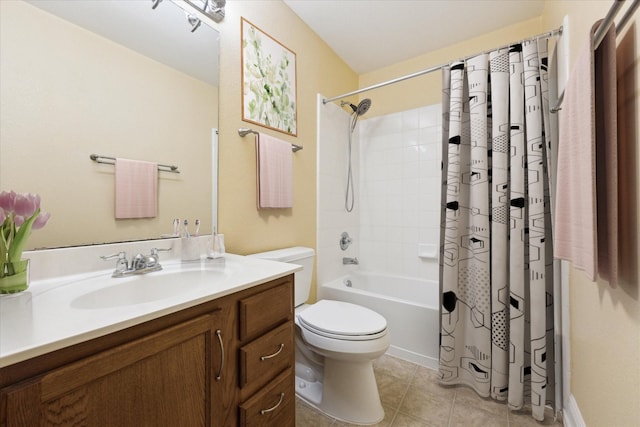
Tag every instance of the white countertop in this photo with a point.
(65, 310)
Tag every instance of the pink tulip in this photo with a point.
(7, 200)
(26, 204)
(41, 221)
(19, 214)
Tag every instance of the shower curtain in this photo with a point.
(497, 324)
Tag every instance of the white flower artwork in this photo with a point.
(269, 81)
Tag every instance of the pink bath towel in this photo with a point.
(275, 172)
(586, 197)
(136, 189)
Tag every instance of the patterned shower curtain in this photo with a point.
(497, 323)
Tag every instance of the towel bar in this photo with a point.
(246, 131)
(601, 32)
(112, 161)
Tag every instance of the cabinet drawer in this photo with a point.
(264, 310)
(274, 405)
(263, 358)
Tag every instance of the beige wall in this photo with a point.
(319, 70)
(605, 322)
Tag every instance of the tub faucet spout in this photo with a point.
(350, 261)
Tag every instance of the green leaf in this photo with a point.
(20, 238)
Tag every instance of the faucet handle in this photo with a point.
(345, 241)
(121, 264)
(154, 251)
(154, 257)
(119, 255)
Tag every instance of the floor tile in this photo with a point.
(471, 416)
(403, 420)
(398, 368)
(425, 405)
(523, 418)
(306, 416)
(412, 397)
(391, 389)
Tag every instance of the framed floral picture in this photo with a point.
(268, 81)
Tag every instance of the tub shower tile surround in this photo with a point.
(411, 396)
(396, 162)
(332, 178)
(400, 159)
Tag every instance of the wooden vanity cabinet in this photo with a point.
(260, 363)
(228, 362)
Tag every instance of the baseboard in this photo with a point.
(419, 359)
(571, 416)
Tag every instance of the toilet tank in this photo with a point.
(298, 255)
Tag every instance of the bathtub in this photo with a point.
(409, 305)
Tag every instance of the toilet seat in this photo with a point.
(343, 320)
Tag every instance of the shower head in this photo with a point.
(359, 109)
(362, 107)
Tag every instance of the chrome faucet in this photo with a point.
(140, 264)
(350, 261)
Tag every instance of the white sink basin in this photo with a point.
(108, 292)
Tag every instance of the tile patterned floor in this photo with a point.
(411, 397)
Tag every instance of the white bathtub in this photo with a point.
(409, 305)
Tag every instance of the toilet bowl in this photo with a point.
(336, 345)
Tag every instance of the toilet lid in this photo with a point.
(338, 318)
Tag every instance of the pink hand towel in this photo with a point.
(586, 197)
(275, 173)
(136, 189)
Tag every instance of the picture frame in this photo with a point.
(269, 81)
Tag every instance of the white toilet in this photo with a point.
(336, 344)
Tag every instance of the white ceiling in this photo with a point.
(371, 34)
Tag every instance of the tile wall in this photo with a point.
(400, 156)
(396, 166)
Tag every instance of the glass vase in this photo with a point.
(16, 277)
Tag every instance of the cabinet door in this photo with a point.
(160, 380)
(225, 366)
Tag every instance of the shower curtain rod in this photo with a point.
(552, 33)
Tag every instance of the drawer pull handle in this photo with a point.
(219, 335)
(273, 408)
(274, 354)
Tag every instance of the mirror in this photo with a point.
(117, 79)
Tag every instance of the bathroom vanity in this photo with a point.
(221, 356)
